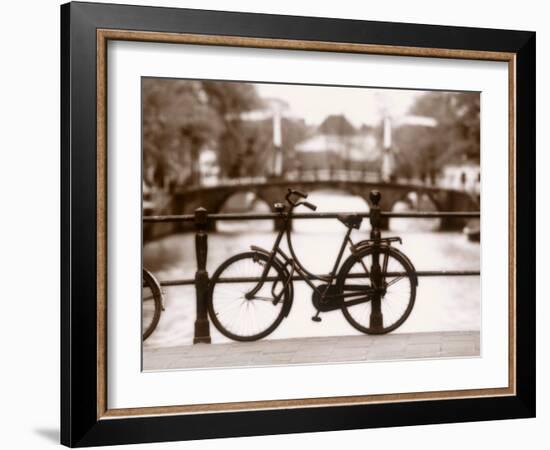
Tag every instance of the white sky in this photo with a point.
(359, 105)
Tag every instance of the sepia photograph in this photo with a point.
(271, 224)
(291, 224)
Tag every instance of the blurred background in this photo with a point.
(235, 147)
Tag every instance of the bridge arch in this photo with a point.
(243, 201)
(412, 201)
(416, 197)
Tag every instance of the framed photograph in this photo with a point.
(277, 224)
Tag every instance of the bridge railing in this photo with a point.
(320, 174)
(201, 220)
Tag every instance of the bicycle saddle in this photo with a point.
(350, 220)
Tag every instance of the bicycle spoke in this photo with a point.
(395, 280)
(263, 299)
(385, 266)
(255, 315)
(365, 268)
(396, 298)
(232, 305)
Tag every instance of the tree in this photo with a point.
(180, 117)
(256, 155)
(423, 151)
(235, 142)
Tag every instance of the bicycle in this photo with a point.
(252, 292)
(152, 303)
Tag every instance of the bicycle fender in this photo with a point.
(282, 264)
(255, 248)
(406, 258)
(364, 244)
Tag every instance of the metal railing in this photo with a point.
(201, 220)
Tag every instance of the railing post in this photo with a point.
(376, 318)
(202, 326)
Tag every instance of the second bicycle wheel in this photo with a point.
(151, 304)
(241, 318)
(398, 294)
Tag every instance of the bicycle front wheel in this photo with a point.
(396, 297)
(243, 317)
(151, 304)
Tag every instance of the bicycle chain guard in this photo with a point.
(328, 304)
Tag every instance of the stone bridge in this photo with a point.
(186, 200)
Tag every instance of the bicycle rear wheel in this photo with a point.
(398, 295)
(151, 304)
(234, 315)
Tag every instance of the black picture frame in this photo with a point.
(80, 424)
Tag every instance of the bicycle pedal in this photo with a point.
(316, 319)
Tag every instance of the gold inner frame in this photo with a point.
(103, 36)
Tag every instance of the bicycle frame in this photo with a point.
(297, 266)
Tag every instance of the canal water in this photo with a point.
(442, 303)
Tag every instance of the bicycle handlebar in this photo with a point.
(308, 205)
(294, 204)
(298, 193)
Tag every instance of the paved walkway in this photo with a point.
(315, 350)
